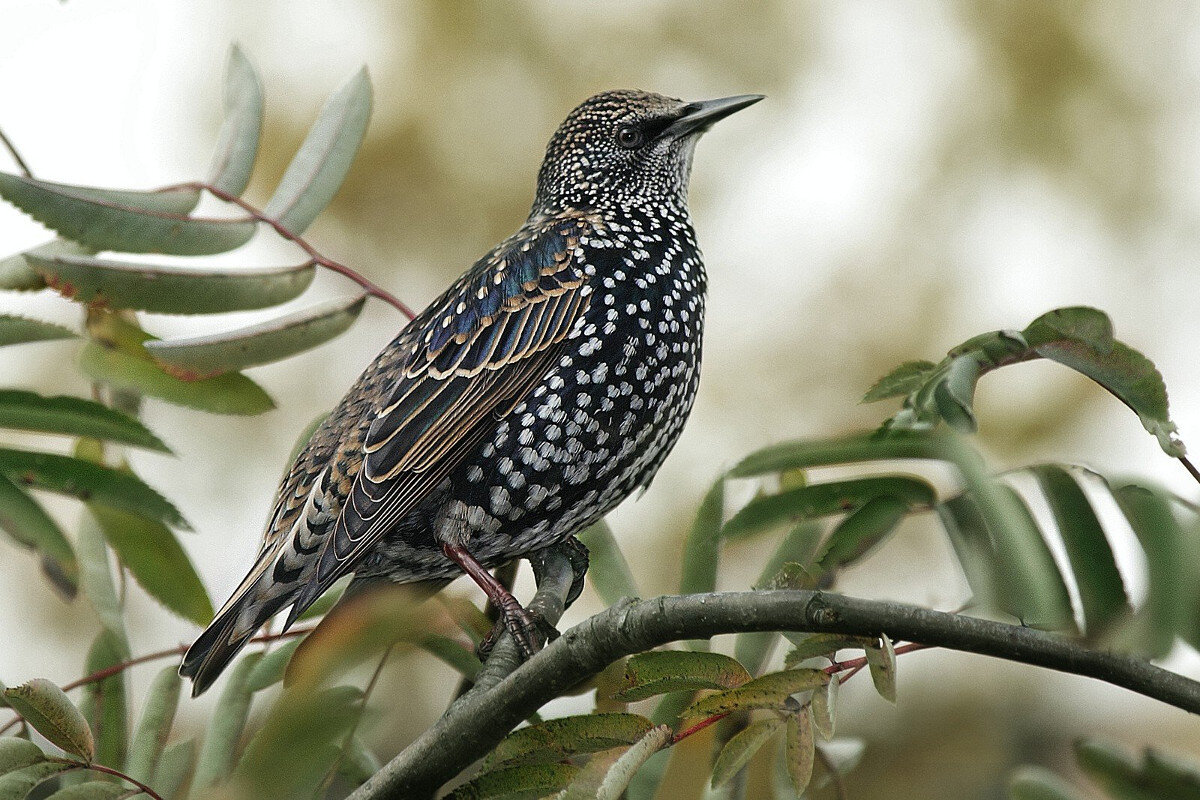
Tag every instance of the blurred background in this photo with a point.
(921, 172)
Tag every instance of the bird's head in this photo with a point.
(625, 147)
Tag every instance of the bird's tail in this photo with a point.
(257, 600)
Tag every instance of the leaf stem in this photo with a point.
(699, 726)
(1190, 467)
(370, 287)
(362, 709)
(109, 771)
(16, 155)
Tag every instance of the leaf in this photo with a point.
(273, 340)
(955, 394)
(452, 652)
(800, 751)
(154, 727)
(619, 776)
(73, 416)
(1128, 375)
(18, 330)
(110, 220)
(803, 454)
(88, 482)
(586, 785)
(157, 561)
(824, 644)
(558, 739)
(821, 499)
(237, 145)
(91, 790)
(515, 783)
(173, 768)
(22, 518)
(1114, 769)
(1101, 590)
(95, 575)
(18, 784)
(358, 763)
(321, 163)
(881, 660)
(217, 754)
(902, 380)
(165, 289)
(1165, 544)
(1039, 783)
(1077, 323)
(702, 549)
(661, 671)
(742, 747)
(18, 753)
(608, 572)
(297, 743)
(52, 714)
(769, 691)
(104, 702)
(233, 393)
(824, 706)
(862, 531)
(270, 668)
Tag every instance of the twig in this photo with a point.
(109, 771)
(484, 716)
(370, 287)
(1190, 467)
(699, 726)
(362, 709)
(852, 667)
(16, 155)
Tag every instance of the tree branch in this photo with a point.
(475, 724)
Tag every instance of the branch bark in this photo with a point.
(475, 724)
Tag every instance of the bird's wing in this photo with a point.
(483, 347)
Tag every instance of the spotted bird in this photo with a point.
(535, 394)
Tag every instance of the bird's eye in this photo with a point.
(630, 137)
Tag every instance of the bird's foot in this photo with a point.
(529, 630)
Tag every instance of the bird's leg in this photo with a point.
(577, 554)
(520, 623)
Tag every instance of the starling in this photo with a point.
(534, 395)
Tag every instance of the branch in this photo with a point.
(475, 724)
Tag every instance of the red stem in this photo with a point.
(110, 771)
(699, 726)
(369, 286)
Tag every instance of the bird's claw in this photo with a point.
(529, 630)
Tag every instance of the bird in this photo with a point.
(542, 388)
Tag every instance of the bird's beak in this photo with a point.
(699, 117)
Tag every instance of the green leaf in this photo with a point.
(157, 561)
(742, 747)
(17, 754)
(73, 416)
(902, 380)
(955, 394)
(1115, 770)
(824, 707)
(558, 739)
(52, 714)
(862, 531)
(1101, 590)
(524, 782)
(237, 145)
(1078, 324)
(127, 222)
(1128, 375)
(769, 691)
(173, 768)
(217, 754)
(321, 163)
(618, 769)
(824, 644)
(233, 393)
(702, 550)
(164, 289)
(273, 340)
(104, 702)
(452, 652)
(1165, 544)
(95, 576)
(1039, 783)
(88, 482)
(800, 751)
(92, 790)
(22, 518)
(271, 667)
(297, 744)
(608, 572)
(150, 735)
(881, 660)
(358, 763)
(804, 454)
(18, 330)
(822, 499)
(661, 671)
(17, 785)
